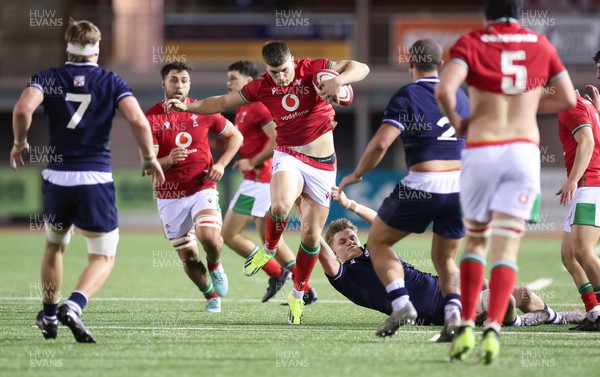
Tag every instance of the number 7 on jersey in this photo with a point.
(84, 101)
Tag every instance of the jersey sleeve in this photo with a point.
(319, 64)
(39, 81)
(121, 90)
(249, 92)
(341, 281)
(460, 52)
(263, 117)
(575, 118)
(218, 123)
(396, 111)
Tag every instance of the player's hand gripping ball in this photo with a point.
(346, 94)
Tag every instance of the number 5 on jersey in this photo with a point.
(84, 101)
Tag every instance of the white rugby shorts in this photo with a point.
(503, 178)
(252, 199)
(317, 180)
(584, 208)
(177, 215)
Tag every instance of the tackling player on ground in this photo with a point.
(505, 66)
(188, 201)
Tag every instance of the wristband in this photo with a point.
(149, 157)
(21, 143)
(349, 204)
(356, 208)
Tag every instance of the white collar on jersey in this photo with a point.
(505, 19)
(429, 79)
(82, 63)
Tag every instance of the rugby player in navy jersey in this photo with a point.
(79, 100)
(428, 194)
(349, 269)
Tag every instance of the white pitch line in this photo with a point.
(172, 299)
(539, 284)
(309, 328)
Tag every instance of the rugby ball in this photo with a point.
(346, 94)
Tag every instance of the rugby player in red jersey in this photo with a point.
(304, 162)
(188, 201)
(505, 66)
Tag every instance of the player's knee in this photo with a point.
(105, 245)
(187, 241)
(279, 210)
(188, 255)
(56, 237)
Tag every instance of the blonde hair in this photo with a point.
(83, 33)
(337, 226)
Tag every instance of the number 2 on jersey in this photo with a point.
(84, 101)
(508, 67)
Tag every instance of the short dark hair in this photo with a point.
(597, 57)
(177, 65)
(495, 9)
(337, 226)
(276, 53)
(244, 67)
(426, 55)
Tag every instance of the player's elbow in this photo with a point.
(442, 93)
(22, 111)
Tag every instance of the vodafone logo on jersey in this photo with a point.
(183, 139)
(290, 102)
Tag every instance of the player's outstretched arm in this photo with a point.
(130, 108)
(210, 105)
(560, 96)
(329, 262)
(376, 149)
(30, 99)
(452, 76)
(234, 140)
(362, 211)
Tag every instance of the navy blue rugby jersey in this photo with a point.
(358, 282)
(426, 133)
(80, 100)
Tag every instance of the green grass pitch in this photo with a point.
(148, 320)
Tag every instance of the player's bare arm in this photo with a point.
(130, 108)
(247, 164)
(376, 149)
(350, 71)
(211, 105)
(561, 96)
(30, 99)
(585, 148)
(451, 78)
(362, 211)
(328, 260)
(234, 141)
(174, 157)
